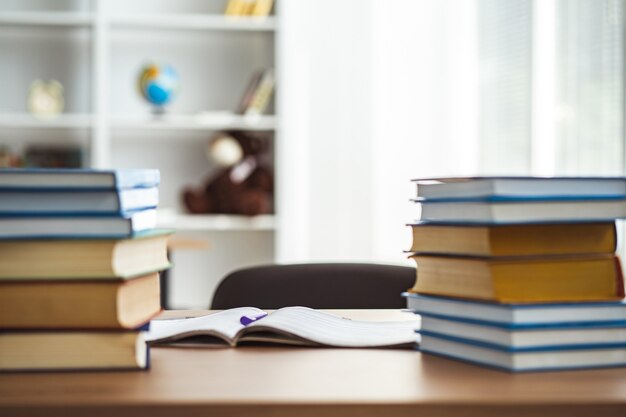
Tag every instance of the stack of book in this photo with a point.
(79, 268)
(520, 273)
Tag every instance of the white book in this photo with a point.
(482, 187)
(76, 179)
(289, 325)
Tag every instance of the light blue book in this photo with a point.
(77, 203)
(520, 187)
(515, 316)
(520, 211)
(77, 179)
(557, 336)
(519, 360)
(78, 227)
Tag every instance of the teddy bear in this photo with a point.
(243, 184)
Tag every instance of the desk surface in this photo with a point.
(276, 381)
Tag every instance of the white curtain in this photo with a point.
(376, 92)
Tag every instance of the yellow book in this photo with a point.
(262, 8)
(515, 240)
(80, 259)
(79, 304)
(521, 280)
(72, 350)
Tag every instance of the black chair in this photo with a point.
(324, 286)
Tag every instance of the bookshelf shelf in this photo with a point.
(62, 121)
(208, 121)
(193, 22)
(46, 18)
(169, 219)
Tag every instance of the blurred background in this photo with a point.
(351, 99)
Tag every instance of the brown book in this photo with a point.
(79, 304)
(73, 350)
(81, 259)
(521, 280)
(515, 240)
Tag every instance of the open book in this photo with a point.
(291, 325)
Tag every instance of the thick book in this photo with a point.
(525, 187)
(540, 359)
(514, 240)
(76, 179)
(522, 211)
(513, 316)
(68, 203)
(77, 227)
(521, 280)
(557, 336)
(84, 259)
(114, 304)
(83, 350)
(290, 326)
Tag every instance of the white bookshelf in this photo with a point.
(96, 48)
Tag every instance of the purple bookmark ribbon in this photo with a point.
(245, 320)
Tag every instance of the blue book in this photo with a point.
(77, 179)
(557, 335)
(515, 316)
(27, 202)
(78, 227)
(521, 211)
(520, 187)
(516, 360)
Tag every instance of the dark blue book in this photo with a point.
(77, 179)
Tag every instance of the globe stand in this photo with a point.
(158, 111)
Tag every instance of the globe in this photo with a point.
(158, 84)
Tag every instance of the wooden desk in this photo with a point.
(276, 382)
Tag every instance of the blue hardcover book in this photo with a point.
(521, 187)
(71, 203)
(79, 227)
(557, 335)
(77, 179)
(515, 360)
(520, 211)
(514, 316)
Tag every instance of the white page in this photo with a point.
(329, 329)
(225, 324)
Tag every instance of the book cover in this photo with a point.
(79, 259)
(521, 280)
(514, 316)
(514, 240)
(29, 202)
(77, 227)
(520, 186)
(76, 179)
(79, 304)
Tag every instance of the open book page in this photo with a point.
(219, 328)
(302, 325)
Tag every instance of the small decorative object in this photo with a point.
(45, 98)
(244, 185)
(158, 84)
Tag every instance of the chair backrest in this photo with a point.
(333, 285)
